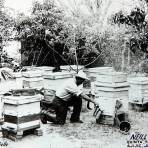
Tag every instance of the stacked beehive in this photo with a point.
(21, 112)
(92, 74)
(32, 79)
(138, 92)
(110, 87)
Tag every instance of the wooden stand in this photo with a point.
(16, 135)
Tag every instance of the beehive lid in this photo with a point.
(44, 68)
(99, 69)
(138, 80)
(17, 74)
(30, 74)
(17, 100)
(112, 73)
(57, 75)
(33, 79)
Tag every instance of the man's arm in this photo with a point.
(85, 97)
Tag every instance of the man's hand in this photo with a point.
(96, 103)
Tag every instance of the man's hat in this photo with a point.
(82, 75)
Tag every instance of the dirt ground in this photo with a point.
(86, 135)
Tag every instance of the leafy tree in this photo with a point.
(136, 26)
(42, 34)
(48, 31)
(6, 30)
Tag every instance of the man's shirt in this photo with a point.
(68, 89)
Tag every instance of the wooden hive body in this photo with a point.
(54, 80)
(21, 112)
(138, 92)
(33, 79)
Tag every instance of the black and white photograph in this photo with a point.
(74, 73)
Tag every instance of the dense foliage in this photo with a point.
(47, 35)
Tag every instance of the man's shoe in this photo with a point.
(77, 121)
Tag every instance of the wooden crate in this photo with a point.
(21, 113)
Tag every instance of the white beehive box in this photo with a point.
(107, 105)
(138, 92)
(21, 112)
(112, 77)
(19, 80)
(113, 89)
(31, 74)
(92, 73)
(43, 69)
(33, 79)
(33, 83)
(55, 80)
